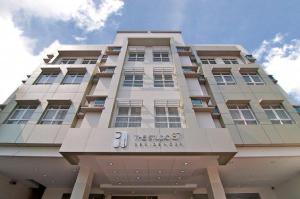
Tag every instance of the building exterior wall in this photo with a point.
(87, 132)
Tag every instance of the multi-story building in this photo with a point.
(149, 117)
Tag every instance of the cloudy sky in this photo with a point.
(269, 29)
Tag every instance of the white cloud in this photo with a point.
(17, 58)
(85, 13)
(282, 60)
(79, 39)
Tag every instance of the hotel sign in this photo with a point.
(154, 140)
(120, 140)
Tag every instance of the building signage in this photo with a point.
(167, 140)
(120, 140)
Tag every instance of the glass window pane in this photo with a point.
(28, 114)
(218, 78)
(128, 77)
(135, 110)
(256, 78)
(49, 114)
(160, 110)
(68, 79)
(175, 125)
(282, 114)
(246, 78)
(158, 77)
(168, 77)
(228, 78)
(173, 111)
(161, 119)
(138, 77)
(123, 110)
(247, 114)
(161, 125)
(61, 114)
(174, 119)
(78, 79)
(270, 114)
(17, 114)
(235, 114)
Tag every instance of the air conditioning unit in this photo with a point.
(250, 58)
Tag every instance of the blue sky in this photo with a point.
(204, 21)
(33, 26)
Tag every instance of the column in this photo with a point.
(82, 186)
(215, 189)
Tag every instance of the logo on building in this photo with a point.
(120, 140)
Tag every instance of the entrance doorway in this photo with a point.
(134, 197)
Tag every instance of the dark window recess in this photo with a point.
(231, 196)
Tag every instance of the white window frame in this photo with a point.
(242, 120)
(208, 61)
(274, 109)
(167, 117)
(223, 75)
(134, 82)
(135, 56)
(230, 61)
(250, 75)
(54, 119)
(74, 76)
(89, 61)
(161, 58)
(67, 60)
(24, 109)
(164, 82)
(48, 76)
(128, 120)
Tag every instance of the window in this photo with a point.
(21, 114)
(136, 56)
(277, 114)
(224, 78)
(252, 78)
(89, 61)
(197, 102)
(107, 69)
(163, 80)
(242, 114)
(208, 61)
(67, 61)
(55, 114)
(46, 78)
(73, 78)
(129, 117)
(167, 117)
(161, 57)
(230, 61)
(104, 59)
(133, 80)
(99, 102)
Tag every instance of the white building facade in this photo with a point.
(149, 117)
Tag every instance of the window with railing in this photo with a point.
(21, 114)
(136, 56)
(208, 61)
(167, 117)
(161, 57)
(242, 114)
(128, 117)
(89, 61)
(224, 78)
(133, 80)
(230, 61)
(46, 78)
(277, 114)
(54, 114)
(163, 80)
(73, 78)
(67, 60)
(252, 78)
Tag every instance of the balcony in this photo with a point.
(105, 71)
(190, 71)
(216, 113)
(193, 58)
(297, 107)
(113, 50)
(184, 51)
(250, 58)
(200, 104)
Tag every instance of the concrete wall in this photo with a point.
(9, 191)
(289, 189)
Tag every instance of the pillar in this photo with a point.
(215, 189)
(82, 187)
